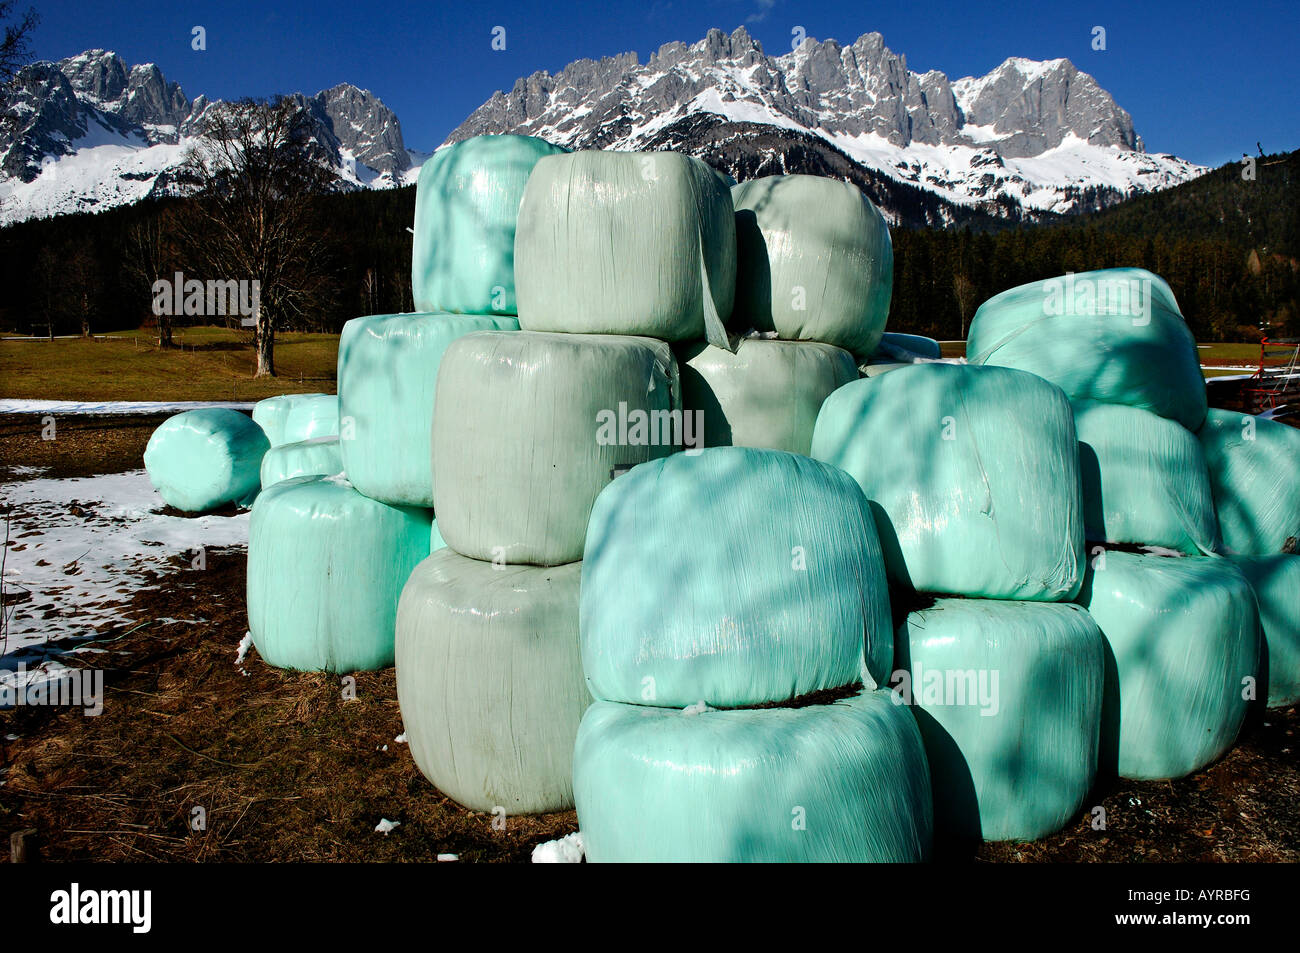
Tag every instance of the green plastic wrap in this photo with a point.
(840, 782)
(639, 243)
(1253, 464)
(490, 681)
(388, 370)
(436, 542)
(1114, 335)
(766, 394)
(1144, 480)
(1276, 581)
(814, 262)
(907, 347)
(1183, 636)
(972, 474)
(292, 418)
(203, 459)
(1008, 698)
(531, 427)
(735, 576)
(326, 566)
(466, 207)
(319, 456)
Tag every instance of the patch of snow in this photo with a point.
(385, 826)
(401, 739)
(245, 644)
(567, 850)
(699, 708)
(101, 407)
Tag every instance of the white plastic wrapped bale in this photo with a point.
(1276, 581)
(972, 474)
(490, 682)
(326, 566)
(202, 459)
(814, 262)
(626, 243)
(1144, 480)
(737, 576)
(1253, 462)
(319, 456)
(1183, 637)
(532, 426)
(766, 394)
(841, 782)
(292, 418)
(1008, 698)
(388, 370)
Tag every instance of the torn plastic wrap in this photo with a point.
(1144, 480)
(202, 459)
(1114, 336)
(1008, 698)
(466, 207)
(532, 426)
(841, 782)
(972, 474)
(388, 369)
(638, 243)
(907, 348)
(319, 456)
(490, 682)
(1253, 464)
(326, 566)
(1183, 638)
(1276, 581)
(736, 576)
(292, 418)
(814, 262)
(766, 394)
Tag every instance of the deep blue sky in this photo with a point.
(1204, 84)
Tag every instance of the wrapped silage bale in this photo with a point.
(202, 459)
(531, 427)
(1008, 699)
(319, 456)
(814, 261)
(388, 370)
(292, 418)
(637, 243)
(841, 782)
(1253, 464)
(972, 474)
(489, 678)
(326, 566)
(765, 394)
(1183, 637)
(1144, 479)
(466, 207)
(907, 347)
(436, 542)
(1114, 335)
(738, 577)
(1276, 581)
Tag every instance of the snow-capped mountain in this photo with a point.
(89, 132)
(1028, 138)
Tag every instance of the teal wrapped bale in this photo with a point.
(388, 370)
(436, 542)
(532, 426)
(326, 566)
(203, 459)
(1276, 582)
(489, 679)
(737, 577)
(814, 262)
(1144, 480)
(841, 782)
(907, 348)
(766, 394)
(1253, 464)
(292, 418)
(1183, 636)
(1114, 335)
(466, 208)
(1008, 698)
(972, 474)
(626, 243)
(319, 456)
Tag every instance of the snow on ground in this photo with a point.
(101, 407)
(567, 850)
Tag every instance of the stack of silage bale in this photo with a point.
(1180, 622)
(303, 430)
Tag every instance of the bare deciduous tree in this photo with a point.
(963, 290)
(149, 257)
